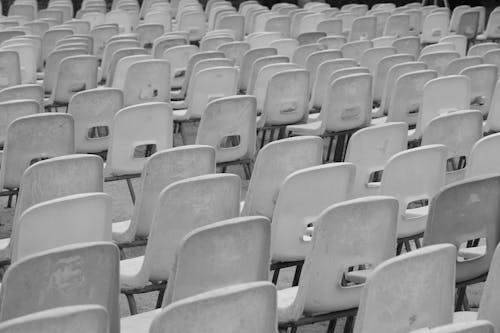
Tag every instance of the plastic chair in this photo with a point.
(148, 32)
(260, 63)
(145, 81)
(32, 138)
(302, 52)
(457, 65)
(381, 73)
(249, 307)
(492, 57)
(439, 60)
(458, 131)
(483, 79)
(458, 11)
(369, 149)
(482, 48)
(468, 24)
(292, 220)
(110, 48)
(76, 318)
(334, 42)
(12, 110)
(435, 26)
(362, 233)
(441, 96)
(228, 125)
(178, 57)
(182, 207)
(135, 53)
(315, 59)
(93, 111)
(100, 35)
(408, 45)
(180, 163)
(50, 38)
(27, 60)
(397, 25)
(24, 91)
(363, 28)
(68, 220)
(492, 31)
(295, 154)
(93, 280)
(234, 51)
(454, 219)
(10, 69)
(429, 163)
(323, 74)
(439, 47)
(459, 41)
(137, 132)
(482, 159)
(74, 74)
(354, 50)
(284, 102)
(279, 23)
(406, 96)
(345, 110)
(206, 85)
(413, 301)
(52, 65)
(246, 64)
(371, 57)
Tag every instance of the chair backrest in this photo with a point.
(483, 79)
(229, 126)
(317, 58)
(435, 26)
(382, 70)
(52, 66)
(409, 45)
(490, 301)
(120, 54)
(427, 166)
(406, 96)
(148, 32)
(468, 24)
(295, 209)
(483, 159)
(50, 39)
(441, 96)
(178, 56)
(438, 47)
(209, 84)
(118, 73)
(286, 98)
(457, 65)
(93, 111)
(76, 318)
(248, 59)
(439, 60)
(322, 79)
(224, 253)
(10, 69)
(258, 64)
(348, 103)
(182, 207)
(363, 28)
(78, 218)
(348, 234)
(454, 218)
(147, 81)
(27, 59)
(133, 128)
(161, 44)
(372, 56)
(333, 41)
(370, 148)
(234, 50)
(59, 177)
(74, 74)
(31, 138)
(397, 25)
(10, 111)
(354, 50)
(493, 25)
(249, 307)
(70, 275)
(482, 48)
(294, 154)
(110, 48)
(459, 41)
(390, 310)
(455, 16)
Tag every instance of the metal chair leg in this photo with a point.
(131, 190)
(296, 277)
(460, 298)
(329, 153)
(131, 304)
(122, 254)
(349, 324)
(159, 300)
(407, 246)
(331, 326)
(276, 274)
(399, 248)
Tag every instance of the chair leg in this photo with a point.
(294, 329)
(282, 133)
(331, 326)
(296, 277)
(339, 148)
(159, 300)
(329, 153)
(247, 170)
(122, 254)
(131, 190)
(417, 243)
(223, 169)
(407, 246)
(399, 248)
(271, 135)
(131, 304)
(263, 139)
(181, 132)
(349, 324)
(276, 274)
(9, 202)
(460, 298)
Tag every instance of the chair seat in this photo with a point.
(481, 37)
(180, 115)
(130, 277)
(464, 316)
(286, 298)
(472, 252)
(313, 117)
(414, 221)
(119, 230)
(312, 128)
(139, 323)
(176, 94)
(379, 121)
(178, 105)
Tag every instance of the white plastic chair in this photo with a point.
(439, 60)
(482, 48)
(457, 65)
